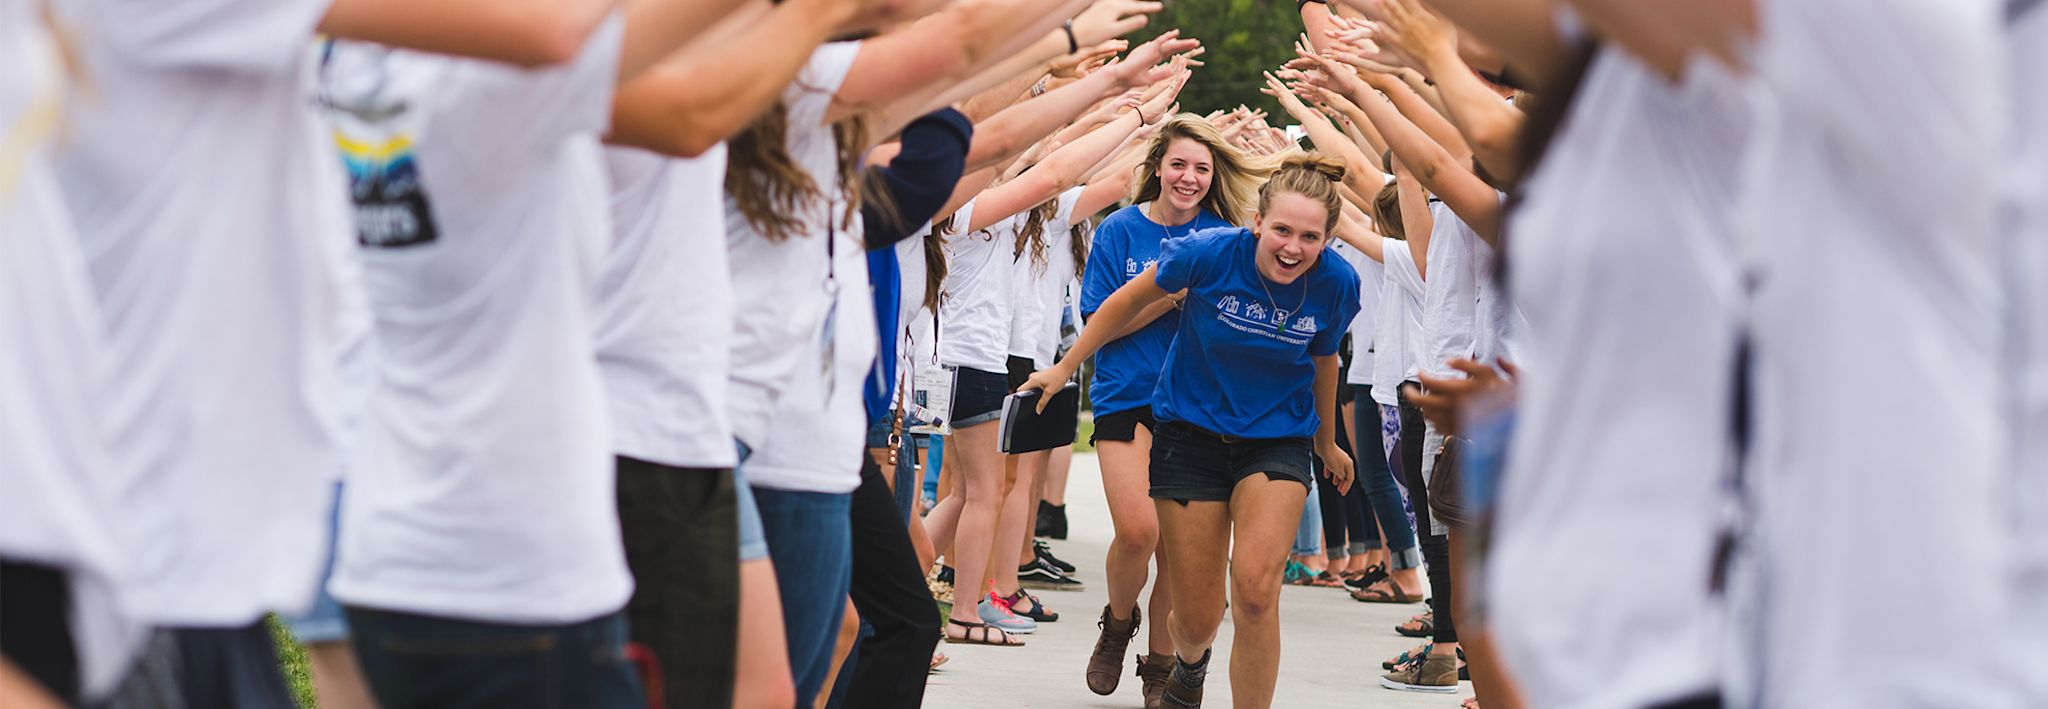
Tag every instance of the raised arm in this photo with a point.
(966, 38)
(1359, 171)
(1057, 173)
(528, 33)
(1667, 33)
(1008, 133)
(1433, 166)
(1487, 123)
(706, 94)
(1417, 223)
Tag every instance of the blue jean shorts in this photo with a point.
(753, 542)
(1190, 463)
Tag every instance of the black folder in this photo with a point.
(1025, 430)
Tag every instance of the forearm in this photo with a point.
(1118, 312)
(656, 28)
(1315, 20)
(685, 106)
(1016, 128)
(1431, 123)
(1488, 123)
(1327, 367)
(1147, 316)
(1016, 82)
(529, 33)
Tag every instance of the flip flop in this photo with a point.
(1385, 592)
(1426, 626)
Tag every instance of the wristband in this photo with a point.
(1073, 45)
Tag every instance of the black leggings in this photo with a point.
(1436, 548)
(889, 592)
(1346, 519)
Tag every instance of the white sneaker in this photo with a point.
(1001, 618)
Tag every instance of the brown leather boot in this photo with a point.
(1106, 665)
(1152, 672)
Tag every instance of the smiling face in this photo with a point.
(1292, 235)
(1185, 172)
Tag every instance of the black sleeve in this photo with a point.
(916, 184)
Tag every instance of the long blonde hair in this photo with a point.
(1235, 187)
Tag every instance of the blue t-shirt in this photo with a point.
(1127, 369)
(1241, 364)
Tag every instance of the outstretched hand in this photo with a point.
(1109, 19)
(1338, 467)
(1442, 399)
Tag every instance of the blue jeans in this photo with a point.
(936, 455)
(810, 541)
(1377, 479)
(416, 661)
(1308, 535)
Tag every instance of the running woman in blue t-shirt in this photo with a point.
(1191, 179)
(1254, 360)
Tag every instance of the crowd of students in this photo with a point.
(593, 347)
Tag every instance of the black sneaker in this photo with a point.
(1052, 521)
(1042, 576)
(1044, 552)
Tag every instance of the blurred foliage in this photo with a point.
(1244, 38)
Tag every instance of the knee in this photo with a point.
(1255, 597)
(1137, 538)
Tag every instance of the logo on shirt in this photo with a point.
(1228, 304)
(1305, 323)
(1280, 317)
(375, 133)
(1130, 267)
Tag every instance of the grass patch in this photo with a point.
(1087, 432)
(291, 658)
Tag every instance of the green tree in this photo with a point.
(1243, 37)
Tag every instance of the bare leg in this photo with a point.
(1013, 526)
(1197, 538)
(1056, 475)
(337, 679)
(764, 681)
(981, 468)
(1031, 466)
(1491, 682)
(1126, 482)
(1263, 514)
(849, 631)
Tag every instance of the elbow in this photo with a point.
(691, 143)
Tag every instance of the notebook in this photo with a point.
(1025, 430)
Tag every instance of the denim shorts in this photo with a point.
(324, 622)
(1190, 463)
(414, 660)
(753, 543)
(978, 396)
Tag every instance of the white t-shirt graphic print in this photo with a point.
(484, 487)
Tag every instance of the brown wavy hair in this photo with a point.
(771, 190)
(935, 260)
(1233, 189)
(1386, 211)
(1031, 236)
(1310, 175)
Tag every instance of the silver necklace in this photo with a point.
(1282, 325)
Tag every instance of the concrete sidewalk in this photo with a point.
(1332, 646)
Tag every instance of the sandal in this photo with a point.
(1424, 626)
(1037, 611)
(1296, 574)
(1365, 579)
(1326, 580)
(1470, 703)
(1000, 639)
(939, 659)
(1384, 592)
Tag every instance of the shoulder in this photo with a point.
(1208, 242)
(1210, 220)
(1334, 268)
(1122, 220)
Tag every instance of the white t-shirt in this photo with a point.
(56, 467)
(819, 431)
(1450, 303)
(484, 485)
(1397, 329)
(779, 287)
(914, 322)
(1370, 274)
(974, 317)
(1624, 264)
(665, 309)
(208, 203)
(1876, 341)
(2027, 289)
(1039, 289)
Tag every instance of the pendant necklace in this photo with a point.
(1282, 325)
